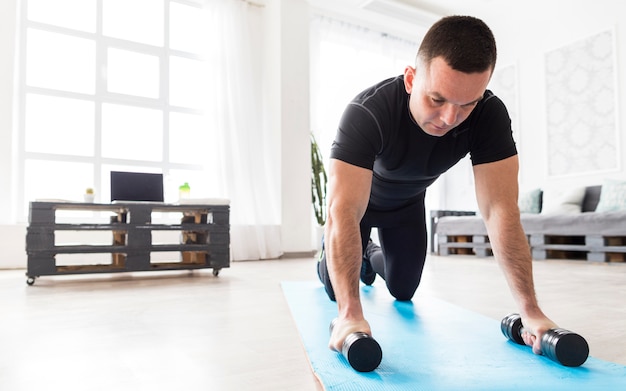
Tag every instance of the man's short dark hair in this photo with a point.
(466, 44)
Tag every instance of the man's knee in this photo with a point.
(402, 295)
(403, 291)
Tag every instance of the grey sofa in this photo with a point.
(595, 236)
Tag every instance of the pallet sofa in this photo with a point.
(592, 228)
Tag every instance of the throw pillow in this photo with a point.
(612, 197)
(530, 201)
(557, 201)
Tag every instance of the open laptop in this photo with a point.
(136, 186)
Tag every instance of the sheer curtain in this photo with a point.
(244, 156)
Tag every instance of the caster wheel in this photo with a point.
(30, 280)
(216, 272)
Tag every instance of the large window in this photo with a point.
(110, 85)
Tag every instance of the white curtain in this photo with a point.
(245, 152)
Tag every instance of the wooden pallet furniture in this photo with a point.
(589, 235)
(204, 232)
(435, 215)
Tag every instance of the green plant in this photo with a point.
(318, 182)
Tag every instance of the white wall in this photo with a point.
(289, 67)
(8, 11)
(530, 29)
(13, 246)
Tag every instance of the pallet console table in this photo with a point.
(204, 243)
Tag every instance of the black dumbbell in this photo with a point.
(361, 350)
(560, 345)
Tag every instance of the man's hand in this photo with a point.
(534, 328)
(345, 327)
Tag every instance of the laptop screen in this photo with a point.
(136, 186)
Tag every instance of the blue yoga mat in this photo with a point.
(429, 344)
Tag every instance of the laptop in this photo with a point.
(136, 186)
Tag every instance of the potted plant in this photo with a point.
(318, 183)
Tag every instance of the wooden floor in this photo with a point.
(193, 331)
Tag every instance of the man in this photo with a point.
(393, 141)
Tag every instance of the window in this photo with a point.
(110, 85)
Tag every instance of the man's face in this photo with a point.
(441, 97)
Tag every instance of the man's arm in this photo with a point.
(497, 192)
(349, 191)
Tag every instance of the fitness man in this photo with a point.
(394, 139)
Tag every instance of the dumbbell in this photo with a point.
(361, 350)
(560, 345)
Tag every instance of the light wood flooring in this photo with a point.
(193, 331)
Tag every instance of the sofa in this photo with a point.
(584, 223)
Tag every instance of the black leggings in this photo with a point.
(403, 239)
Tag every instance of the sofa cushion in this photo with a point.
(461, 225)
(592, 197)
(557, 201)
(581, 224)
(613, 196)
(530, 201)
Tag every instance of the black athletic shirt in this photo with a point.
(376, 132)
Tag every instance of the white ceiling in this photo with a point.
(408, 18)
(435, 6)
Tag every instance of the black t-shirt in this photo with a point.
(376, 132)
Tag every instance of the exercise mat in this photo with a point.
(429, 344)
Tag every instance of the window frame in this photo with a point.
(100, 97)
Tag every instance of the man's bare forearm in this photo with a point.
(511, 249)
(343, 257)
(349, 190)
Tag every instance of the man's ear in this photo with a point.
(409, 77)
